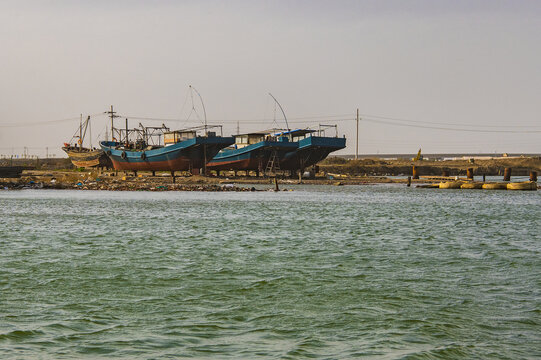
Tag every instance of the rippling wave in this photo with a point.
(383, 272)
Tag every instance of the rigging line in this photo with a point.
(202, 103)
(184, 104)
(450, 129)
(449, 124)
(264, 119)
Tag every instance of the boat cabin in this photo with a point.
(173, 137)
(297, 134)
(243, 140)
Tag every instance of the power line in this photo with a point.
(452, 129)
(46, 122)
(448, 124)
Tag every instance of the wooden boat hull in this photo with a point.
(183, 156)
(87, 158)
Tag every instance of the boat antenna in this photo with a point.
(285, 118)
(203, 104)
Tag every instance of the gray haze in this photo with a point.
(447, 64)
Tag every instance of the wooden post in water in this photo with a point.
(414, 172)
(173, 176)
(153, 173)
(533, 175)
(469, 173)
(409, 181)
(484, 177)
(276, 184)
(507, 174)
(445, 173)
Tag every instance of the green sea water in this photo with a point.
(376, 272)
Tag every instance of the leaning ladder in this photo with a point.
(273, 165)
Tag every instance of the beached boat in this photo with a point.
(312, 147)
(85, 157)
(182, 150)
(257, 151)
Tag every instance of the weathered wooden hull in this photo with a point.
(88, 158)
(183, 156)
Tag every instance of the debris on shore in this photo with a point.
(89, 182)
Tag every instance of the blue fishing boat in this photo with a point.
(256, 151)
(312, 147)
(183, 150)
(160, 149)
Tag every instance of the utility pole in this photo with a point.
(357, 138)
(47, 152)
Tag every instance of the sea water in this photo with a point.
(383, 272)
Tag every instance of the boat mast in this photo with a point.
(81, 133)
(283, 113)
(126, 132)
(112, 115)
(90, 130)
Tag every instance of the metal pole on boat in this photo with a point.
(283, 113)
(112, 123)
(112, 116)
(126, 132)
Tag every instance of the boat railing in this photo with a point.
(323, 127)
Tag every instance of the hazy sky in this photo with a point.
(435, 68)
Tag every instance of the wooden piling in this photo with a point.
(484, 177)
(276, 184)
(533, 175)
(409, 181)
(507, 174)
(173, 176)
(445, 173)
(153, 173)
(469, 173)
(415, 175)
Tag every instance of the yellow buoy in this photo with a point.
(526, 185)
(451, 185)
(472, 185)
(495, 186)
